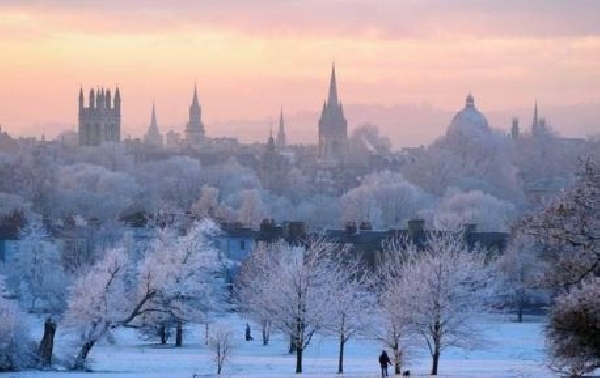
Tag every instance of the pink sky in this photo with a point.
(249, 57)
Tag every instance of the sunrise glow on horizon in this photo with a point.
(250, 58)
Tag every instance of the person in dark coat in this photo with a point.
(248, 335)
(384, 361)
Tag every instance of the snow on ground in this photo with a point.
(513, 350)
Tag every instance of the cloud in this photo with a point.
(390, 19)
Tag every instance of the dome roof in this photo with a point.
(469, 120)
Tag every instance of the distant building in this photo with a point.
(469, 121)
(333, 127)
(173, 140)
(100, 122)
(281, 140)
(194, 131)
(273, 166)
(153, 136)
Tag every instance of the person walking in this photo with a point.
(384, 361)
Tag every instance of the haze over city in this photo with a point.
(404, 66)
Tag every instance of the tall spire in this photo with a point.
(332, 98)
(535, 113)
(281, 132)
(195, 98)
(153, 117)
(281, 120)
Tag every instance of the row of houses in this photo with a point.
(236, 241)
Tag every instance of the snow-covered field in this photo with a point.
(513, 350)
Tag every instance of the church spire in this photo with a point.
(332, 98)
(195, 98)
(281, 133)
(153, 116)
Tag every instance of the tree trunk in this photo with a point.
(206, 333)
(341, 360)
(520, 313)
(266, 331)
(179, 334)
(219, 363)
(520, 305)
(299, 359)
(82, 356)
(434, 366)
(162, 331)
(397, 358)
(47, 343)
(437, 347)
(292, 344)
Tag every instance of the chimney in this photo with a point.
(415, 228)
(350, 228)
(294, 231)
(365, 226)
(468, 228)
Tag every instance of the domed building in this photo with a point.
(469, 121)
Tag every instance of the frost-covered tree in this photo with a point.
(98, 302)
(293, 280)
(252, 294)
(175, 278)
(517, 270)
(174, 183)
(92, 191)
(36, 275)
(252, 208)
(569, 231)
(17, 351)
(385, 199)
(350, 299)
(484, 210)
(443, 288)
(184, 273)
(221, 343)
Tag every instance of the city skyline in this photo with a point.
(250, 59)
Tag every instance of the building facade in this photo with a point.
(100, 122)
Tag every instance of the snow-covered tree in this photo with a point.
(184, 276)
(36, 275)
(517, 270)
(221, 343)
(569, 231)
(443, 288)
(484, 210)
(293, 280)
(350, 298)
(252, 209)
(175, 278)
(385, 199)
(17, 350)
(98, 302)
(573, 331)
(174, 183)
(92, 191)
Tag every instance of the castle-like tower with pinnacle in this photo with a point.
(333, 127)
(100, 122)
(194, 131)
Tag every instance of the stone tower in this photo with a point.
(333, 127)
(100, 122)
(194, 131)
(153, 136)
